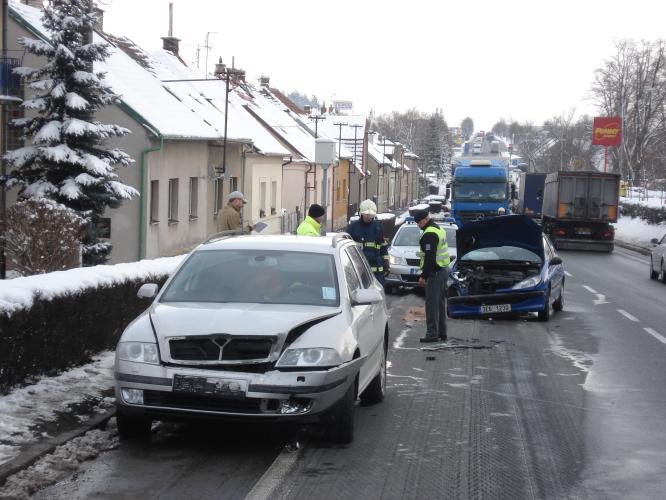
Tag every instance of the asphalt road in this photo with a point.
(513, 408)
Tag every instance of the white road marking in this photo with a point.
(590, 289)
(397, 343)
(628, 316)
(568, 274)
(656, 335)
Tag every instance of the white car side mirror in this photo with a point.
(147, 291)
(365, 296)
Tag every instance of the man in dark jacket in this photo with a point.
(434, 272)
(367, 232)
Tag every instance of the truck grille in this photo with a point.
(221, 348)
(472, 216)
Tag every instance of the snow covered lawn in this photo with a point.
(637, 231)
(25, 408)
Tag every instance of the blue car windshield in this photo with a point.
(255, 276)
(503, 253)
(475, 191)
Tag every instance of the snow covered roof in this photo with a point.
(176, 110)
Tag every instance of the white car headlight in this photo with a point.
(139, 352)
(528, 282)
(314, 356)
(397, 261)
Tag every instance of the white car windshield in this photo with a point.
(409, 236)
(255, 276)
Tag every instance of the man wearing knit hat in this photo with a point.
(311, 225)
(229, 218)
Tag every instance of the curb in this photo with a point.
(636, 248)
(36, 451)
(269, 482)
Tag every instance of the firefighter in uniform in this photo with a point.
(368, 234)
(434, 273)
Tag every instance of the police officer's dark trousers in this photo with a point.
(435, 291)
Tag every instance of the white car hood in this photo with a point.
(183, 319)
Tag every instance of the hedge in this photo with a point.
(64, 331)
(652, 215)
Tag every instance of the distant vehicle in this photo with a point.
(505, 265)
(579, 208)
(476, 150)
(279, 328)
(658, 259)
(404, 261)
(494, 147)
(530, 194)
(466, 148)
(479, 189)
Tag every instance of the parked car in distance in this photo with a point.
(658, 259)
(273, 328)
(404, 263)
(504, 265)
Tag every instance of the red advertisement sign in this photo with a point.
(607, 131)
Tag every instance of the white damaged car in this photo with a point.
(281, 328)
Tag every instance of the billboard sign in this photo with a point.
(607, 131)
(342, 105)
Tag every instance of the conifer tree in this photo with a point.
(65, 158)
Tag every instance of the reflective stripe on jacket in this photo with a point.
(309, 227)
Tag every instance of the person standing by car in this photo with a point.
(311, 225)
(434, 266)
(367, 232)
(229, 219)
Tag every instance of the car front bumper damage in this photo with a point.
(276, 395)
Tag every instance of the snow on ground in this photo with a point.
(650, 198)
(637, 231)
(62, 462)
(24, 408)
(19, 293)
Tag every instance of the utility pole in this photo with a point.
(339, 125)
(316, 119)
(355, 127)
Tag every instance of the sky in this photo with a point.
(527, 60)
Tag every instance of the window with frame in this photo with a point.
(361, 265)
(154, 201)
(173, 200)
(194, 197)
(274, 197)
(233, 184)
(219, 195)
(262, 199)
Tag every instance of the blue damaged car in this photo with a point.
(505, 265)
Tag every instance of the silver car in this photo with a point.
(404, 261)
(658, 259)
(281, 328)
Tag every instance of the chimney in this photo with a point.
(307, 108)
(219, 68)
(330, 109)
(264, 81)
(323, 109)
(170, 42)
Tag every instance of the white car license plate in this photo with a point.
(583, 231)
(499, 308)
(210, 386)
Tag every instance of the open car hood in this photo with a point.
(508, 230)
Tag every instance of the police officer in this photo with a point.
(434, 273)
(311, 225)
(367, 232)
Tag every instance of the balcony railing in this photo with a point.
(10, 83)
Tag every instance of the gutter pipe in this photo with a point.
(142, 220)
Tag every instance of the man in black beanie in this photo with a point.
(311, 225)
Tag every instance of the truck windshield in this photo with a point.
(479, 191)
